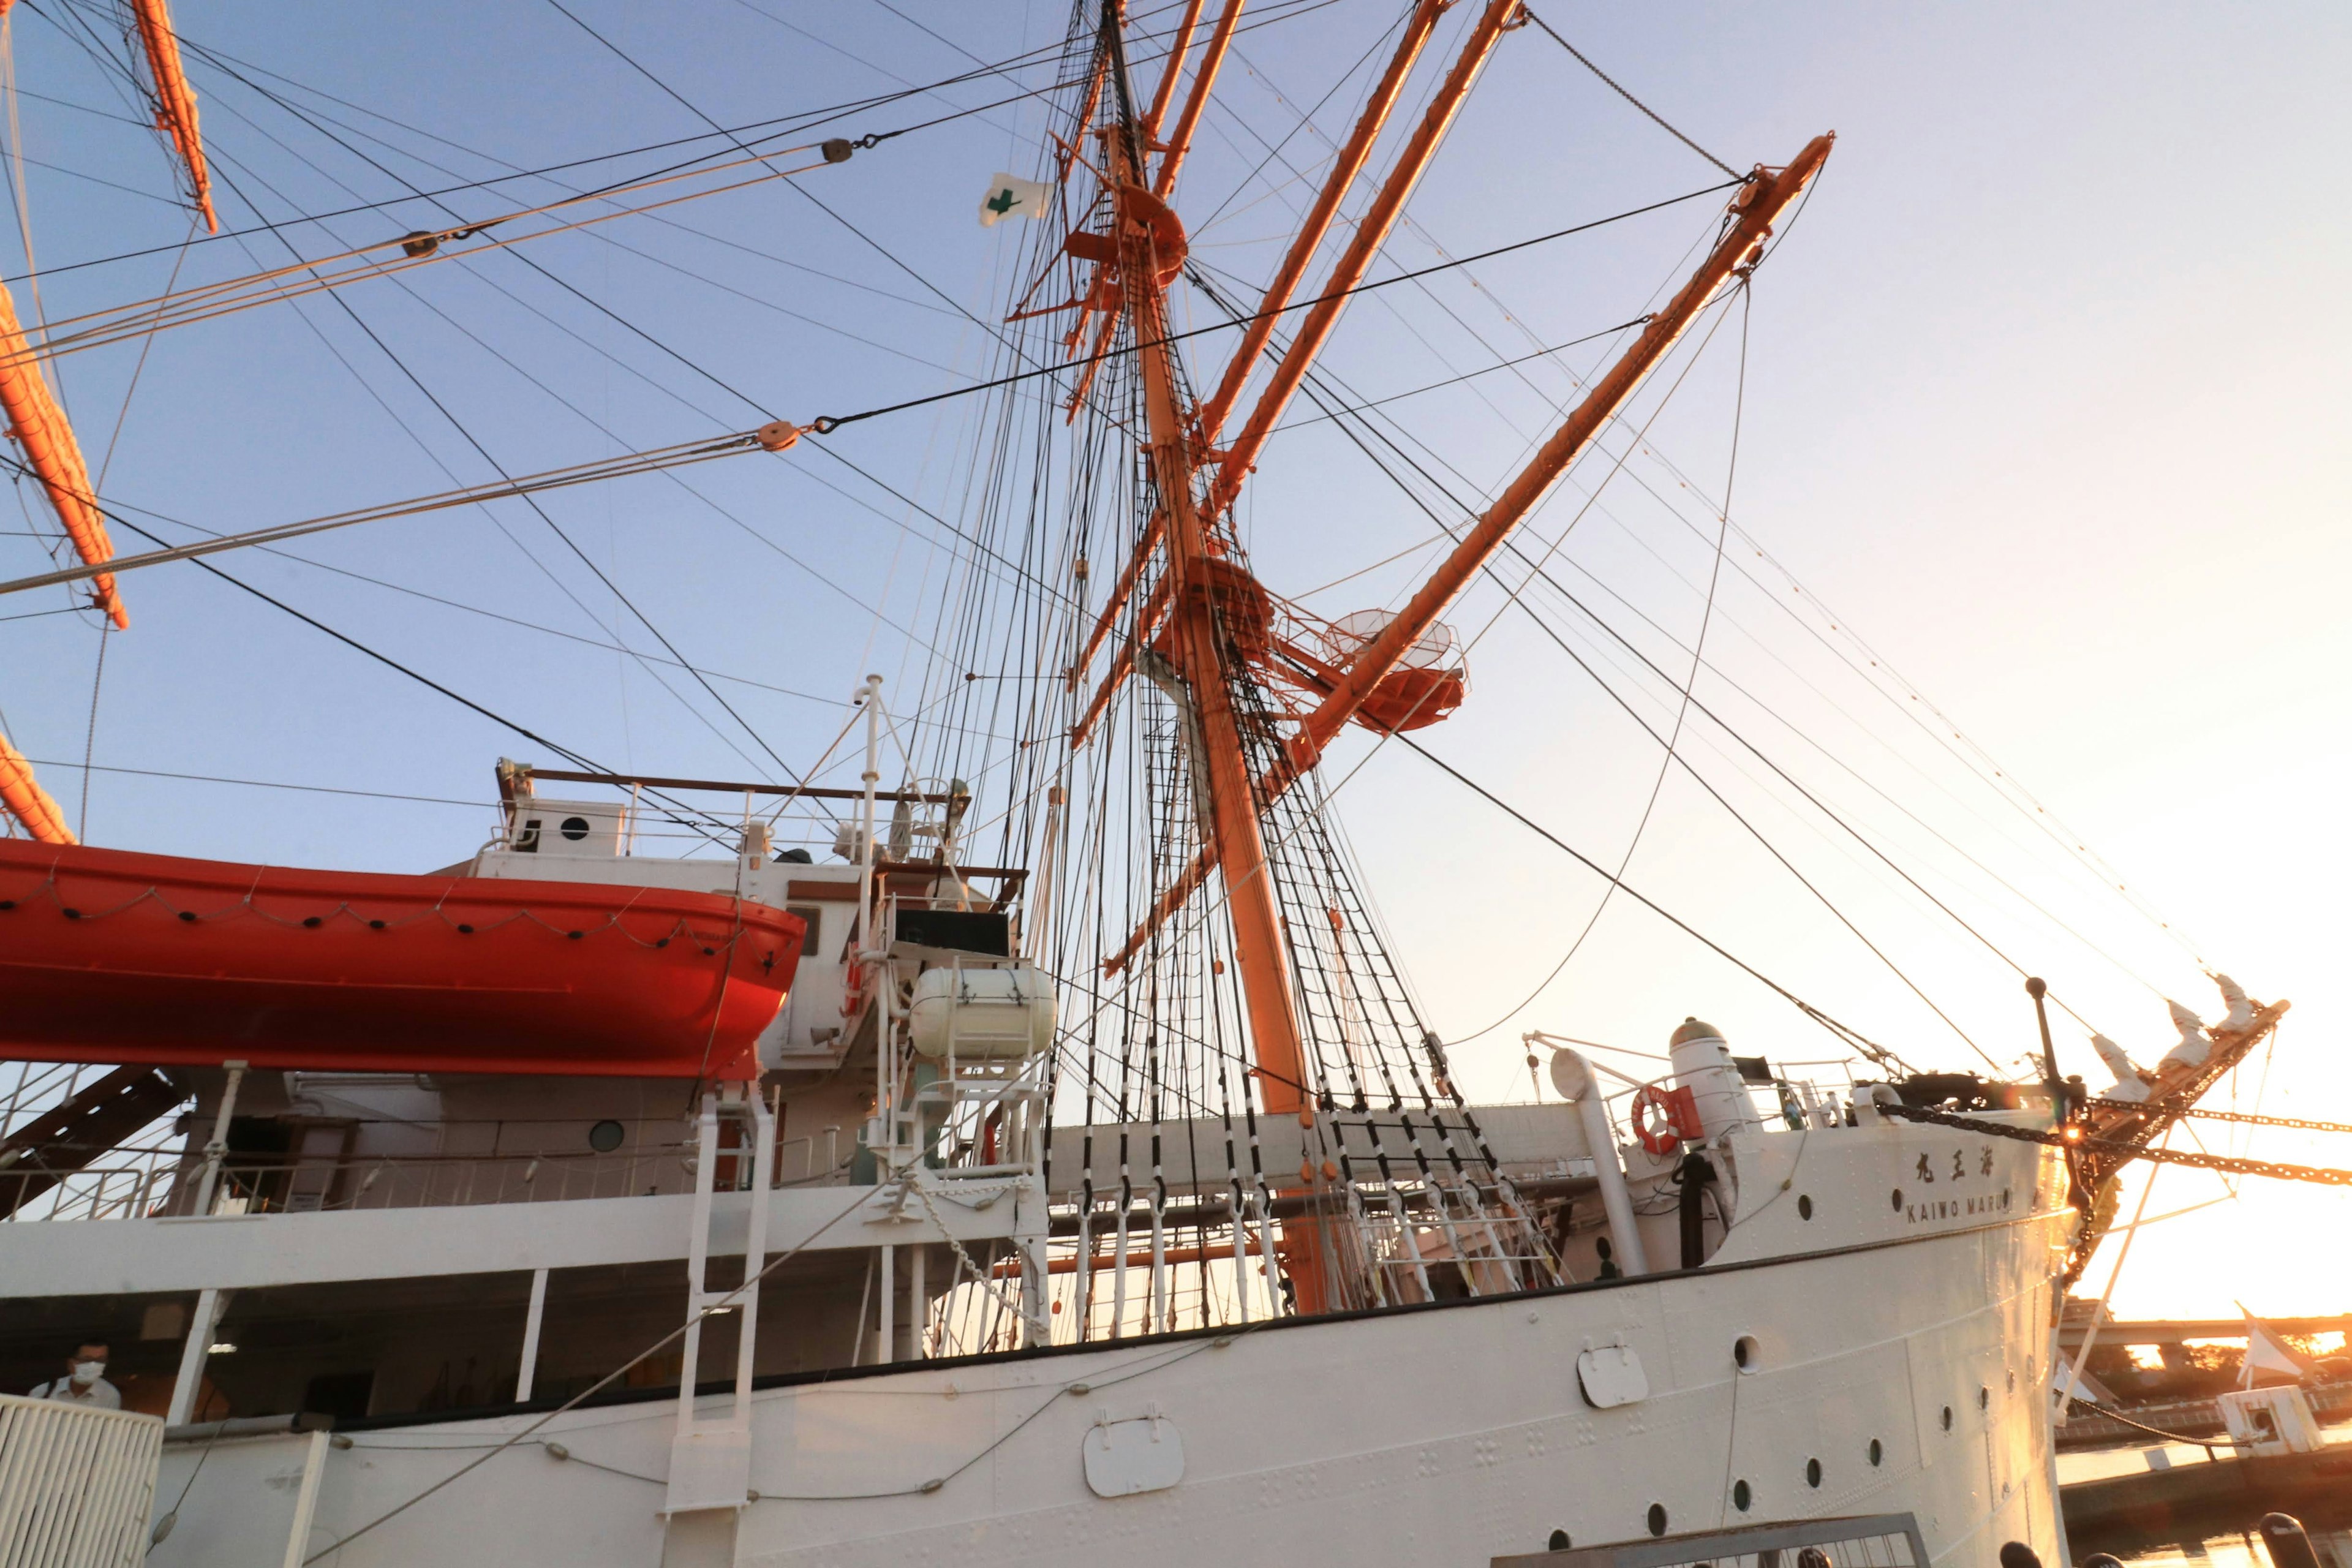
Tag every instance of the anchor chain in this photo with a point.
(2084, 1142)
(2245, 1118)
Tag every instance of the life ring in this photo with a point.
(1665, 1135)
(853, 991)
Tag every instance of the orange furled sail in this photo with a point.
(28, 802)
(176, 100)
(39, 427)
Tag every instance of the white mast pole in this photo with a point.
(870, 949)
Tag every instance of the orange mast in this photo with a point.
(1147, 233)
(1350, 162)
(1211, 415)
(28, 802)
(176, 100)
(1371, 233)
(1177, 50)
(1204, 79)
(39, 427)
(1151, 254)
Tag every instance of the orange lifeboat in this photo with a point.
(107, 955)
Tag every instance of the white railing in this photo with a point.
(75, 1484)
(164, 1183)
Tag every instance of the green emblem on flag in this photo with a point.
(1011, 197)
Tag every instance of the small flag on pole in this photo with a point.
(2268, 1362)
(1009, 197)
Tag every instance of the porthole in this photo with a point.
(1948, 1417)
(1741, 1496)
(1876, 1453)
(1657, 1518)
(605, 1136)
(1804, 1206)
(1559, 1541)
(1813, 1470)
(1746, 1354)
(1898, 1200)
(575, 828)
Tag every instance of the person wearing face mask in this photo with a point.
(85, 1380)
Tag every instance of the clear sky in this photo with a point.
(2044, 390)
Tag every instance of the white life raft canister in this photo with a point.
(990, 1015)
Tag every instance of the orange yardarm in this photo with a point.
(40, 428)
(176, 100)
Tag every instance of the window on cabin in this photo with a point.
(815, 915)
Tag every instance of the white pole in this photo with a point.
(217, 1145)
(305, 1500)
(1118, 1279)
(1036, 1309)
(882, 1133)
(697, 1257)
(1041, 887)
(2099, 1313)
(887, 1335)
(1615, 1200)
(755, 1250)
(872, 692)
(537, 1314)
(919, 1319)
(192, 1357)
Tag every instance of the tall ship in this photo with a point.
(1007, 1133)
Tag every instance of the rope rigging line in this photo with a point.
(2004, 785)
(782, 432)
(264, 783)
(597, 305)
(1537, 569)
(1540, 571)
(209, 301)
(483, 452)
(827, 425)
(1867, 1047)
(653, 460)
(643, 660)
(579, 759)
(792, 124)
(1683, 704)
(1615, 88)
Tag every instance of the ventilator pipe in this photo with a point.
(1573, 1077)
(1703, 1065)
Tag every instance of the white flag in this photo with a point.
(2267, 1361)
(1009, 197)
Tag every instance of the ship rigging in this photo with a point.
(1042, 1009)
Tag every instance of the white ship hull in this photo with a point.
(1447, 1433)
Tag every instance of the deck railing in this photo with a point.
(165, 1183)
